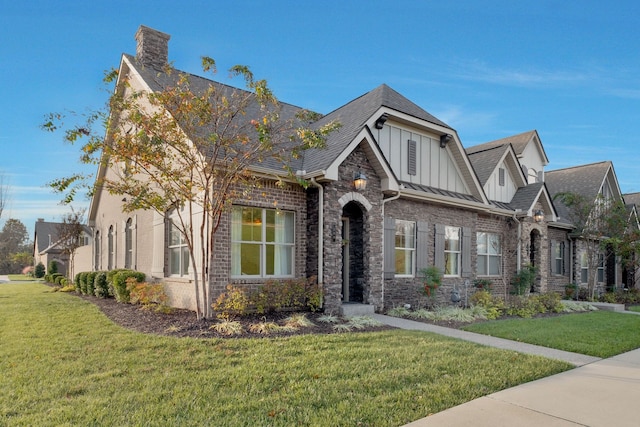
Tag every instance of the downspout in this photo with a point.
(395, 197)
(320, 229)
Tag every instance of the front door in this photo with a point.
(353, 264)
(346, 261)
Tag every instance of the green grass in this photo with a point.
(635, 308)
(598, 333)
(20, 278)
(62, 362)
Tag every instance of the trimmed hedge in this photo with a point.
(119, 283)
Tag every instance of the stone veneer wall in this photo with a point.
(336, 195)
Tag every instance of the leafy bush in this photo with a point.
(231, 304)
(119, 282)
(523, 280)
(550, 302)
(39, 271)
(91, 277)
(275, 295)
(53, 267)
(100, 284)
(522, 306)
(147, 294)
(493, 305)
(483, 284)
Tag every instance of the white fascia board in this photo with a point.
(387, 178)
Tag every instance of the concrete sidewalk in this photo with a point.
(599, 392)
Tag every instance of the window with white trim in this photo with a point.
(452, 251)
(489, 254)
(601, 268)
(584, 268)
(178, 252)
(262, 242)
(405, 248)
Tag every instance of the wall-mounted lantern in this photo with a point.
(538, 216)
(445, 139)
(381, 121)
(360, 181)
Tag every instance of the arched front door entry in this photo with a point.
(352, 253)
(534, 256)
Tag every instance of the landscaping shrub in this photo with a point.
(493, 305)
(147, 294)
(53, 267)
(52, 278)
(523, 280)
(101, 287)
(119, 282)
(550, 302)
(231, 304)
(295, 294)
(39, 271)
(91, 277)
(58, 279)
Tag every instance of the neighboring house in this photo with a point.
(47, 247)
(483, 212)
(596, 182)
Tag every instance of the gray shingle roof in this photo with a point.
(632, 198)
(526, 196)
(43, 230)
(351, 116)
(584, 180)
(485, 162)
(519, 143)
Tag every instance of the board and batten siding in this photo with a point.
(501, 193)
(434, 166)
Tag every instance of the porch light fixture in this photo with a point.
(381, 120)
(538, 216)
(360, 181)
(445, 139)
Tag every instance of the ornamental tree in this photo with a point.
(191, 150)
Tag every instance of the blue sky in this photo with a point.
(489, 69)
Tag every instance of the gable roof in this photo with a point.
(519, 143)
(632, 198)
(583, 180)
(353, 116)
(486, 161)
(46, 233)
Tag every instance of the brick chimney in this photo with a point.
(152, 49)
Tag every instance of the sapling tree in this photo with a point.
(70, 235)
(190, 149)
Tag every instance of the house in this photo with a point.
(480, 212)
(597, 183)
(47, 247)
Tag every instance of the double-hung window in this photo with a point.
(584, 268)
(262, 242)
(178, 252)
(489, 254)
(452, 251)
(405, 248)
(601, 268)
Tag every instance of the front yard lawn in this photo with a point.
(64, 363)
(597, 333)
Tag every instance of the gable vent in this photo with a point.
(412, 160)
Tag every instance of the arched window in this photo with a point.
(128, 243)
(110, 249)
(96, 253)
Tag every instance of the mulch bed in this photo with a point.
(183, 323)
